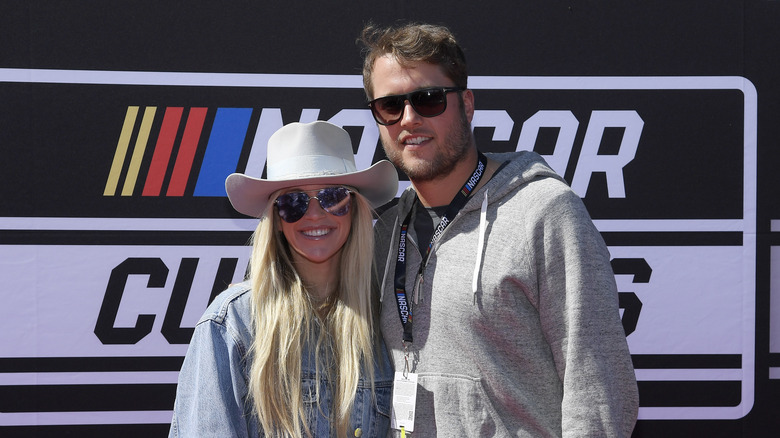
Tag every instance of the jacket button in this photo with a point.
(358, 432)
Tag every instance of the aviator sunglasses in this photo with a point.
(292, 206)
(429, 102)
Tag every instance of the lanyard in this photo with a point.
(460, 199)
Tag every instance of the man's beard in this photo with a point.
(455, 147)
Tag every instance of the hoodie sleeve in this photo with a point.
(578, 308)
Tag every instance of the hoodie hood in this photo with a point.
(517, 168)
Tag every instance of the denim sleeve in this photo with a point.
(211, 397)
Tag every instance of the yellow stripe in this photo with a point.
(121, 151)
(138, 151)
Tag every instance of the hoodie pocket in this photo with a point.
(455, 404)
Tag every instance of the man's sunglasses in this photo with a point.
(429, 102)
(292, 206)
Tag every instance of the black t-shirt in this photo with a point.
(425, 221)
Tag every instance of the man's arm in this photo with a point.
(580, 316)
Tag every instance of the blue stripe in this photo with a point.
(223, 150)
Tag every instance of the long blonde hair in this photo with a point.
(284, 317)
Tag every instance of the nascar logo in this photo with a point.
(229, 130)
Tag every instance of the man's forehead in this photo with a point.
(393, 77)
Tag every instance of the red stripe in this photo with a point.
(189, 144)
(162, 152)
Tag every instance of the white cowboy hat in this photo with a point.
(310, 153)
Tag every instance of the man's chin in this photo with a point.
(421, 173)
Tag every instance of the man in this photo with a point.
(509, 322)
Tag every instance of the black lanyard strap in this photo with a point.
(457, 203)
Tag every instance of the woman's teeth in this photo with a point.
(316, 233)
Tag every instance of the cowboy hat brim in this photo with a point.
(250, 196)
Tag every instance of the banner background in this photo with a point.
(100, 289)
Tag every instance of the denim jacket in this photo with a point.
(211, 397)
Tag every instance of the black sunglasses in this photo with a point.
(429, 102)
(292, 206)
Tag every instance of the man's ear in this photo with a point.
(468, 103)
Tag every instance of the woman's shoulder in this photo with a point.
(232, 303)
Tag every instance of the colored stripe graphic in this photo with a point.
(162, 151)
(121, 151)
(138, 151)
(186, 155)
(223, 150)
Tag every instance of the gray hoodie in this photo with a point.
(516, 329)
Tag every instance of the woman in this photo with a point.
(293, 350)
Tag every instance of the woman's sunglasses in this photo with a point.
(292, 206)
(429, 102)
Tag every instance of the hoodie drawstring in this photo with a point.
(480, 245)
